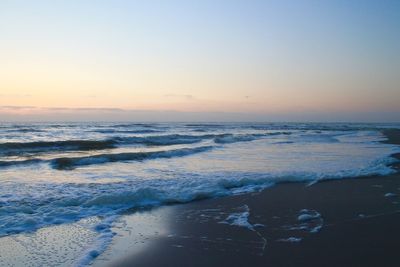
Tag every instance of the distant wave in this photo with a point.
(25, 130)
(139, 131)
(284, 142)
(178, 139)
(227, 139)
(18, 148)
(15, 148)
(163, 140)
(71, 163)
(19, 162)
(235, 138)
(144, 125)
(208, 125)
(317, 138)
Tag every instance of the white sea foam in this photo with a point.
(309, 220)
(99, 245)
(240, 219)
(307, 215)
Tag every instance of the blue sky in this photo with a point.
(272, 59)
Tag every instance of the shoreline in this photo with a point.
(348, 222)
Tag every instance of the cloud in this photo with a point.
(180, 96)
(44, 110)
(85, 109)
(17, 107)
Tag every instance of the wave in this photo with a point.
(178, 139)
(69, 163)
(142, 131)
(73, 162)
(54, 203)
(208, 125)
(163, 140)
(317, 138)
(10, 163)
(227, 139)
(283, 142)
(16, 148)
(235, 138)
(20, 148)
(25, 130)
(144, 125)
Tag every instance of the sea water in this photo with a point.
(65, 175)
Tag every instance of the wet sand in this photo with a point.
(348, 222)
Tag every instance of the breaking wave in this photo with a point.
(20, 148)
(71, 163)
(16, 148)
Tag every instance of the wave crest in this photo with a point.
(16, 148)
(71, 163)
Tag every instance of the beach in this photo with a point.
(346, 222)
(199, 133)
(199, 194)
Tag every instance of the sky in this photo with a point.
(170, 60)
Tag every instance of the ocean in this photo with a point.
(85, 175)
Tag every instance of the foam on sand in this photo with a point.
(307, 215)
(240, 219)
(390, 195)
(310, 221)
(290, 239)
